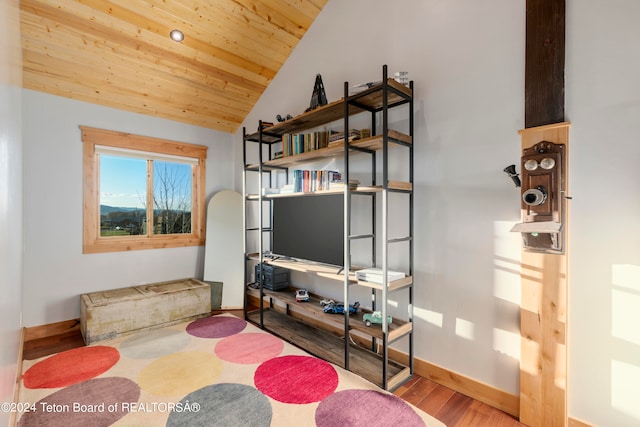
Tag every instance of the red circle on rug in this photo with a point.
(71, 367)
(296, 379)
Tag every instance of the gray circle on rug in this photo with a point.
(95, 402)
(223, 405)
(145, 346)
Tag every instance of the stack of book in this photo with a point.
(337, 138)
(297, 143)
(374, 275)
(308, 181)
(287, 189)
(339, 185)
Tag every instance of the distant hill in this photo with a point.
(105, 210)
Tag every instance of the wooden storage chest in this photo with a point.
(111, 313)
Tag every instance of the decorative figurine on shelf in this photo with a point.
(338, 308)
(302, 295)
(281, 119)
(375, 317)
(326, 301)
(318, 97)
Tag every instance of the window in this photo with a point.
(141, 192)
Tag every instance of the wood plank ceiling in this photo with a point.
(118, 53)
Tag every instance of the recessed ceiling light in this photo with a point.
(176, 35)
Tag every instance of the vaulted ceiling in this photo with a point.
(118, 53)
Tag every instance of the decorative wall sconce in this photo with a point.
(542, 197)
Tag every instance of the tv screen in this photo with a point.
(309, 228)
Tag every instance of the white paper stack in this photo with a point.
(374, 275)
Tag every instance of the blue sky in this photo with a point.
(123, 181)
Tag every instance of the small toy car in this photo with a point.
(302, 295)
(375, 317)
(338, 308)
(326, 301)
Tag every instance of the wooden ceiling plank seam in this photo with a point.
(241, 13)
(272, 15)
(117, 53)
(101, 24)
(229, 92)
(145, 87)
(252, 41)
(159, 109)
(224, 85)
(233, 17)
(302, 11)
(145, 23)
(207, 99)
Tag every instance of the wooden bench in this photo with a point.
(112, 313)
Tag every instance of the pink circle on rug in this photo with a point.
(216, 327)
(366, 408)
(296, 379)
(249, 348)
(71, 367)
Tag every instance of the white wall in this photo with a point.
(603, 105)
(56, 271)
(467, 61)
(10, 200)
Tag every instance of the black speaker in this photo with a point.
(275, 278)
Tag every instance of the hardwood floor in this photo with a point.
(452, 408)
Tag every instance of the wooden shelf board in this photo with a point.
(372, 143)
(330, 347)
(369, 98)
(313, 309)
(395, 185)
(391, 286)
(321, 270)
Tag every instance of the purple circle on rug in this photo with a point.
(96, 402)
(216, 327)
(223, 405)
(366, 408)
(296, 379)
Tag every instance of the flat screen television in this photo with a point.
(309, 228)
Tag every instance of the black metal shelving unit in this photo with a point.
(377, 100)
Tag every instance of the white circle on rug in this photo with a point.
(154, 343)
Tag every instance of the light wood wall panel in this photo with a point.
(543, 319)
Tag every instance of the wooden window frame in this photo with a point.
(92, 242)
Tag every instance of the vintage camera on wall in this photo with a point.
(542, 201)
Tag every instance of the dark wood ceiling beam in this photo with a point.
(544, 65)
